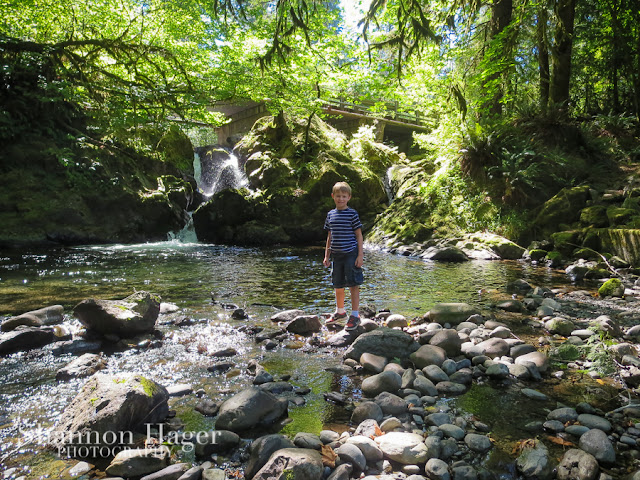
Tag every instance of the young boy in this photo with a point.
(344, 249)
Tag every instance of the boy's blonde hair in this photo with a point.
(341, 187)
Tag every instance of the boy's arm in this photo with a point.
(327, 250)
(360, 258)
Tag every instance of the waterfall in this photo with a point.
(217, 169)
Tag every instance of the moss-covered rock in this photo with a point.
(566, 242)
(594, 216)
(619, 215)
(611, 288)
(563, 208)
(537, 254)
(624, 243)
(555, 258)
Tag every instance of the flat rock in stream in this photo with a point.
(83, 366)
(25, 338)
(384, 342)
(36, 318)
(125, 318)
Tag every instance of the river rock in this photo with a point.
(250, 408)
(367, 410)
(125, 318)
(478, 443)
(521, 349)
(110, 403)
(385, 342)
(83, 366)
(172, 472)
(598, 444)
(493, 347)
(36, 318)
(436, 469)
(262, 448)
(435, 374)
(428, 355)
(538, 358)
(25, 338)
(404, 448)
(307, 440)
(497, 371)
(215, 441)
(605, 324)
(299, 463)
(373, 363)
(449, 340)
(391, 404)
(444, 254)
(451, 313)
(534, 461)
(425, 386)
(595, 421)
(386, 381)
(563, 415)
(452, 431)
(286, 315)
(368, 447)
(304, 325)
(350, 453)
(578, 465)
(560, 326)
(137, 462)
(450, 388)
(396, 321)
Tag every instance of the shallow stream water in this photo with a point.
(199, 279)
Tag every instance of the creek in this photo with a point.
(201, 280)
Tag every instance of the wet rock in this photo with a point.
(598, 444)
(452, 431)
(126, 318)
(304, 325)
(111, 403)
(511, 306)
(225, 352)
(534, 461)
(299, 463)
(463, 472)
(404, 448)
(534, 394)
(564, 415)
(385, 342)
(52, 315)
(444, 254)
(215, 441)
(578, 465)
(450, 388)
(25, 338)
(207, 407)
(261, 450)
(286, 315)
(83, 366)
(194, 473)
(250, 408)
(137, 462)
(595, 421)
(451, 313)
(478, 443)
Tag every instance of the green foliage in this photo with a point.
(595, 351)
(568, 351)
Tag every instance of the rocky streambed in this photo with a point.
(526, 381)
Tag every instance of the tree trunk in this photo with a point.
(501, 14)
(561, 78)
(543, 56)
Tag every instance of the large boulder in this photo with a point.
(252, 407)
(562, 209)
(131, 316)
(404, 448)
(384, 342)
(292, 464)
(108, 404)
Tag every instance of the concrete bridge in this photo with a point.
(394, 127)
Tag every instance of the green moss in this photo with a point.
(595, 215)
(567, 351)
(619, 215)
(555, 258)
(611, 288)
(150, 388)
(537, 254)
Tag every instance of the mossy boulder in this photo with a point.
(177, 149)
(619, 215)
(563, 208)
(611, 288)
(594, 216)
(555, 259)
(537, 254)
(623, 242)
(566, 242)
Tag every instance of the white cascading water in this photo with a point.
(216, 170)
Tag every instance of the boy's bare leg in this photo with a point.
(355, 298)
(340, 299)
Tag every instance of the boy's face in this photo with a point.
(341, 199)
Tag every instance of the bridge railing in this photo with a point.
(364, 108)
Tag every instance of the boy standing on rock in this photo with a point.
(344, 253)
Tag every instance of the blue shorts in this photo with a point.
(344, 272)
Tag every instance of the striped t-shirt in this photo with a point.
(342, 224)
